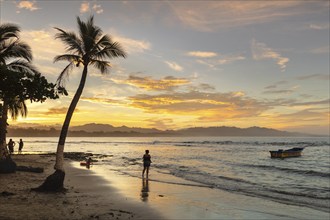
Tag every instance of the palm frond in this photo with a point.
(103, 66)
(68, 57)
(15, 50)
(89, 33)
(64, 75)
(8, 31)
(17, 107)
(113, 50)
(23, 66)
(71, 40)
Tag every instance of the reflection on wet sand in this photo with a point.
(145, 190)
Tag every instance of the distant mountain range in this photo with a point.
(106, 130)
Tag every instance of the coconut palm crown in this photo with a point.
(89, 47)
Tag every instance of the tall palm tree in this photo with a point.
(90, 47)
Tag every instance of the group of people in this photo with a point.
(11, 144)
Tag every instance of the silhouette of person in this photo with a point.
(11, 145)
(20, 146)
(88, 162)
(146, 163)
(145, 190)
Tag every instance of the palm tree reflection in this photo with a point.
(145, 190)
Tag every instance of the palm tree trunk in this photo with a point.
(55, 181)
(65, 127)
(3, 130)
(7, 165)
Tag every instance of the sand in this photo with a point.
(87, 197)
(104, 193)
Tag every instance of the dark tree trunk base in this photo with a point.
(53, 183)
(7, 165)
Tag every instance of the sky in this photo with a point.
(189, 64)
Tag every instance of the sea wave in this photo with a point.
(288, 170)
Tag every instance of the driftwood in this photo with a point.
(30, 169)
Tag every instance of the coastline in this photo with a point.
(88, 196)
(104, 193)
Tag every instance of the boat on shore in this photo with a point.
(293, 152)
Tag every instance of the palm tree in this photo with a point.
(15, 56)
(90, 47)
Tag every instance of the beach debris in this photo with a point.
(161, 195)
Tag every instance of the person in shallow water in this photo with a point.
(146, 163)
(11, 145)
(20, 146)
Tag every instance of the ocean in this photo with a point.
(235, 164)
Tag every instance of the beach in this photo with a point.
(87, 196)
(96, 193)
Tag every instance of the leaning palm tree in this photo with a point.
(90, 47)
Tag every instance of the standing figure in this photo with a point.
(11, 145)
(146, 163)
(20, 146)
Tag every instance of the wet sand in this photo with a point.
(87, 197)
(188, 200)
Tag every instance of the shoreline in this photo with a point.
(102, 192)
(88, 196)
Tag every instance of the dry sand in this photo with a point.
(87, 196)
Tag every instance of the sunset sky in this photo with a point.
(189, 63)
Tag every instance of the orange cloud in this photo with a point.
(58, 111)
(147, 83)
(102, 100)
(206, 106)
(29, 5)
(202, 54)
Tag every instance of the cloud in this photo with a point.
(214, 15)
(103, 100)
(222, 59)
(314, 76)
(273, 86)
(174, 66)
(132, 45)
(204, 105)
(202, 54)
(98, 8)
(260, 51)
(163, 123)
(283, 91)
(149, 84)
(84, 7)
(58, 111)
(321, 50)
(319, 26)
(44, 48)
(230, 59)
(28, 5)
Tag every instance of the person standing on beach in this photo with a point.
(11, 145)
(146, 163)
(20, 146)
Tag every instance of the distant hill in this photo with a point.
(106, 130)
(109, 128)
(234, 131)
